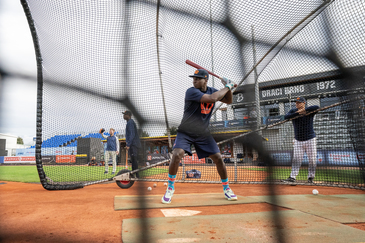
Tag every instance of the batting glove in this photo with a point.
(230, 86)
(226, 81)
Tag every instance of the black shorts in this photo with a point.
(204, 145)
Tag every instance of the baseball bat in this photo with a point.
(193, 64)
(126, 158)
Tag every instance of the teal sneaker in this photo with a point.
(228, 193)
(168, 195)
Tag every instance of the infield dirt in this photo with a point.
(30, 213)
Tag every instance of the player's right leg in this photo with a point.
(181, 146)
(296, 161)
(177, 155)
(311, 151)
(299, 149)
(133, 154)
(114, 159)
(106, 159)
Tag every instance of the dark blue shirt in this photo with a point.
(195, 121)
(111, 143)
(131, 134)
(303, 126)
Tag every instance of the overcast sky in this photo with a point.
(18, 97)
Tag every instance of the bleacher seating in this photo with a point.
(332, 132)
(68, 140)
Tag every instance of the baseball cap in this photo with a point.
(300, 99)
(200, 73)
(127, 113)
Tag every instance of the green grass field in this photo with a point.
(28, 173)
(328, 175)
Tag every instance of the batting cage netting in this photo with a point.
(297, 115)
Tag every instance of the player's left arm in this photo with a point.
(101, 131)
(216, 96)
(312, 108)
(228, 98)
(224, 95)
(292, 113)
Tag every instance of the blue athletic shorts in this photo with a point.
(204, 145)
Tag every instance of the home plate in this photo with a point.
(179, 212)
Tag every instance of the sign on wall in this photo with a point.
(19, 159)
(294, 90)
(226, 150)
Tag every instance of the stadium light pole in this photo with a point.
(257, 90)
(211, 49)
(289, 97)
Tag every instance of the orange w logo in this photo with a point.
(206, 108)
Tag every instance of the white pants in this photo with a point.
(310, 148)
(113, 154)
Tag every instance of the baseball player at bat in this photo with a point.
(305, 139)
(112, 149)
(193, 130)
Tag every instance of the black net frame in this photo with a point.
(232, 45)
(271, 64)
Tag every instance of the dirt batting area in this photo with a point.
(30, 213)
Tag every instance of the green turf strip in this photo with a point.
(64, 173)
(328, 175)
(20, 173)
(61, 173)
(89, 173)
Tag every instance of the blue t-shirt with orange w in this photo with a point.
(195, 121)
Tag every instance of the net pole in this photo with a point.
(211, 49)
(257, 89)
(160, 75)
(128, 16)
(298, 26)
(318, 9)
(39, 119)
